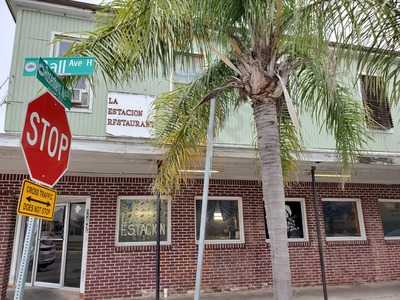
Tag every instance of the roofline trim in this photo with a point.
(11, 9)
(62, 7)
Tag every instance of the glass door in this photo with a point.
(56, 255)
(74, 249)
(50, 249)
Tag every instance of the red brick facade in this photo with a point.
(127, 271)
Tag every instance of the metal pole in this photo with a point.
(321, 250)
(158, 247)
(158, 238)
(207, 172)
(23, 268)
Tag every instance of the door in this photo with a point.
(50, 249)
(58, 248)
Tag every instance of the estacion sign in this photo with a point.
(127, 115)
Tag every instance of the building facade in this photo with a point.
(102, 239)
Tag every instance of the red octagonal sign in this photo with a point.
(46, 139)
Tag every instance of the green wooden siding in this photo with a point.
(33, 38)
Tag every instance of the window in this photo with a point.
(188, 68)
(390, 213)
(224, 222)
(136, 220)
(343, 219)
(375, 102)
(296, 220)
(81, 91)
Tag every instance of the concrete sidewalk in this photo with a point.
(381, 291)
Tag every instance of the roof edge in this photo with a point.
(72, 3)
(11, 9)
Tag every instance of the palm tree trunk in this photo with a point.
(265, 114)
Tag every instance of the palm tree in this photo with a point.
(269, 53)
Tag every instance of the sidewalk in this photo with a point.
(377, 291)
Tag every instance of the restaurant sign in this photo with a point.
(127, 115)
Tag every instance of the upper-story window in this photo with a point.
(81, 93)
(375, 102)
(188, 68)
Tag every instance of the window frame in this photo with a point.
(361, 93)
(304, 221)
(360, 216)
(54, 52)
(388, 238)
(148, 243)
(173, 82)
(241, 221)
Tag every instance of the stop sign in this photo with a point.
(46, 139)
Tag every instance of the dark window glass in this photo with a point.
(390, 212)
(375, 102)
(222, 220)
(137, 220)
(294, 218)
(341, 219)
(73, 265)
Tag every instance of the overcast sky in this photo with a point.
(7, 30)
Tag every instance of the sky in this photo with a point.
(7, 31)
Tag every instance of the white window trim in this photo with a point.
(304, 221)
(54, 52)
(373, 130)
(388, 238)
(150, 197)
(363, 236)
(241, 224)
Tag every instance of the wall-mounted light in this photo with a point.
(327, 175)
(197, 171)
(217, 213)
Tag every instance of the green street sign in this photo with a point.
(55, 86)
(62, 66)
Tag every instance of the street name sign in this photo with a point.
(50, 80)
(36, 201)
(46, 140)
(62, 66)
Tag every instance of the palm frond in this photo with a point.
(332, 105)
(290, 144)
(139, 38)
(180, 119)
(362, 33)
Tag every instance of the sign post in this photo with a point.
(23, 268)
(46, 144)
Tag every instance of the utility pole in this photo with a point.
(318, 224)
(207, 173)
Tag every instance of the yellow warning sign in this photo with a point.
(36, 201)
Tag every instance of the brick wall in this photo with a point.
(129, 271)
